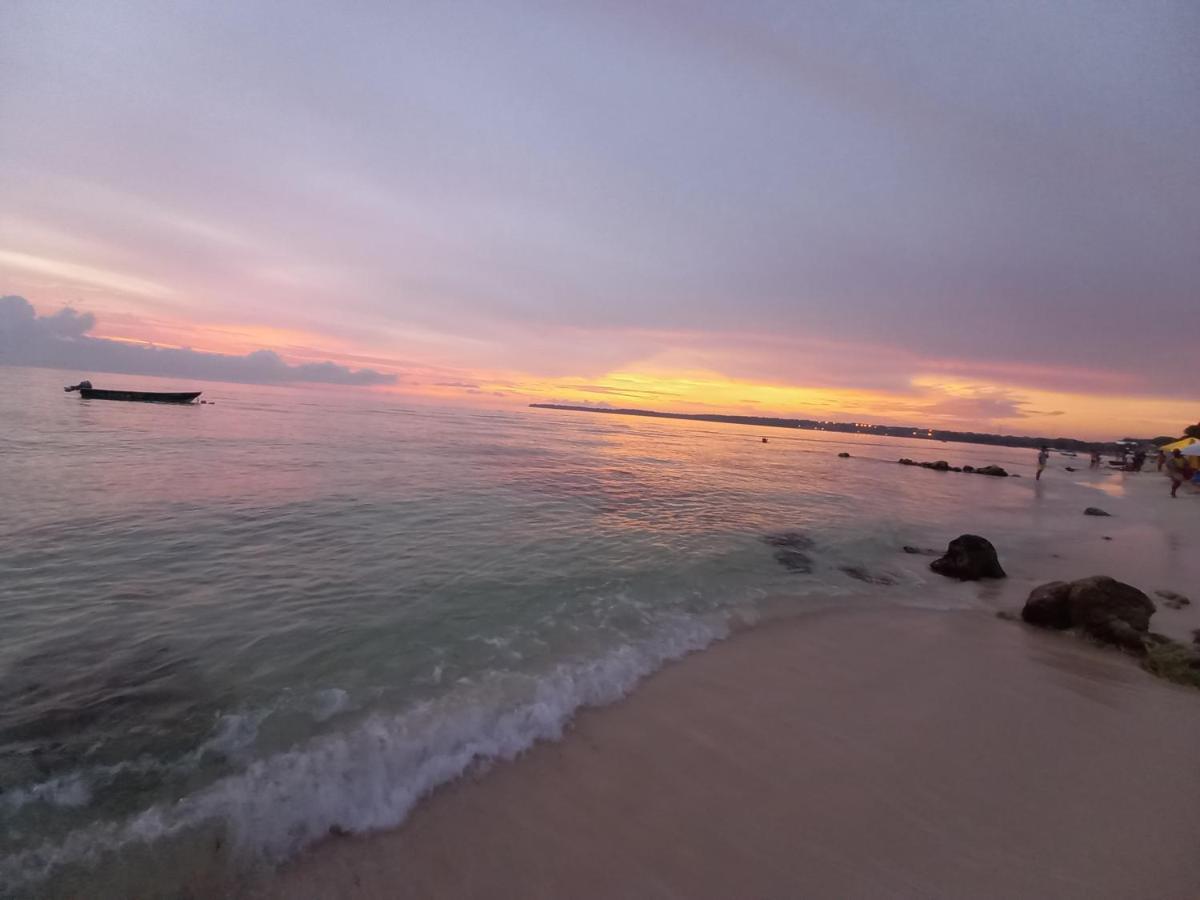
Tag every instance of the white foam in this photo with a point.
(371, 776)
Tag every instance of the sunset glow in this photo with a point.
(749, 214)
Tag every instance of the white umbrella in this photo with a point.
(1192, 449)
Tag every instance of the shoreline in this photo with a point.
(869, 753)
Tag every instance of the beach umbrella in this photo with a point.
(1179, 445)
(1193, 450)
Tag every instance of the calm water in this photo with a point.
(246, 623)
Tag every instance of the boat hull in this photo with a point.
(140, 396)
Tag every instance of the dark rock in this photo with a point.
(919, 551)
(968, 468)
(1095, 511)
(796, 540)
(794, 560)
(1106, 609)
(1196, 636)
(1068, 468)
(941, 465)
(906, 462)
(991, 470)
(869, 577)
(1173, 600)
(764, 440)
(1049, 605)
(1111, 611)
(844, 455)
(969, 558)
(1107, 538)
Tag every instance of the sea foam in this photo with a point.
(370, 776)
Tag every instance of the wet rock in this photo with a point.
(941, 465)
(796, 540)
(1095, 511)
(1049, 606)
(905, 461)
(862, 574)
(844, 455)
(969, 558)
(1111, 611)
(794, 560)
(1172, 600)
(1107, 538)
(919, 551)
(992, 470)
(1068, 468)
(968, 468)
(1102, 607)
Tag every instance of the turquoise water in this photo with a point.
(299, 609)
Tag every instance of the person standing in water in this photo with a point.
(1177, 470)
(1043, 458)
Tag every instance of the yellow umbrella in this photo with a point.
(1178, 445)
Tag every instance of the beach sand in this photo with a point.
(852, 754)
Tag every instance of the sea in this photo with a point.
(231, 630)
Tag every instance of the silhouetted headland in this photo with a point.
(903, 431)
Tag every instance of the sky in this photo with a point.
(967, 215)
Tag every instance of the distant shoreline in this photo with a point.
(900, 431)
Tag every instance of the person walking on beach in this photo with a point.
(1095, 464)
(1177, 470)
(1043, 458)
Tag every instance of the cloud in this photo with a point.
(61, 341)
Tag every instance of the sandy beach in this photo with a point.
(872, 754)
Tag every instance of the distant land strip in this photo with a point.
(962, 437)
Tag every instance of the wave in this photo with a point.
(370, 776)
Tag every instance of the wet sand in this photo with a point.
(857, 754)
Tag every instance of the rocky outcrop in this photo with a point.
(969, 558)
(861, 574)
(1102, 607)
(1049, 605)
(790, 554)
(942, 466)
(843, 455)
(1095, 511)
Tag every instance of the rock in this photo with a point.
(905, 461)
(1107, 538)
(1095, 511)
(1103, 607)
(1111, 611)
(1196, 636)
(991, 470)
(870, 578)
(764, 440)
(1068, 468)
(919, 551)
(1049, 606)
(844, 455)
(794, 560)
(941, 465)
(790, 554)
(969, 558)
(1173, 600)
(1014, 474)
(797, 540)
(968, 468)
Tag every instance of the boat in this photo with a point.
(90, 393)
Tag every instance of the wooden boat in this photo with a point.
(90, 393)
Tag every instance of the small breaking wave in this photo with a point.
(370, 776)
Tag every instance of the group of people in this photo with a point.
(1176, 466)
